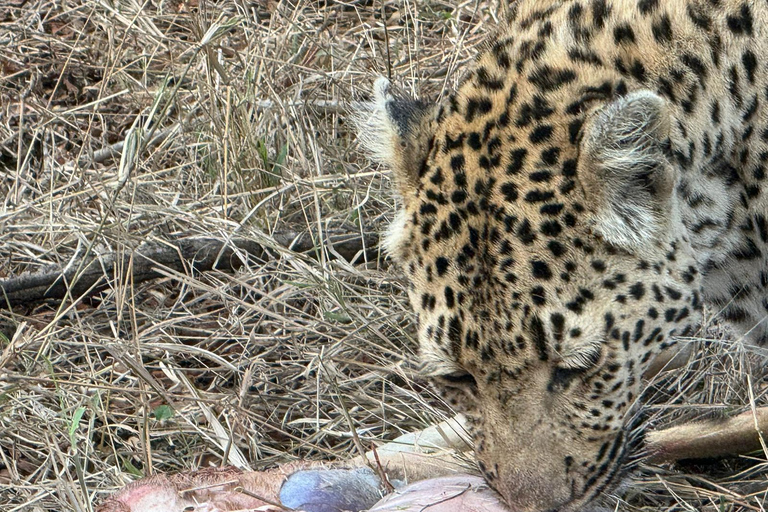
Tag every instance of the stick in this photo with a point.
(191, 254)
(709, 439)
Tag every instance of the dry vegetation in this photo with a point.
(230, 119)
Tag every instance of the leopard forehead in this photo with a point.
(565, 213)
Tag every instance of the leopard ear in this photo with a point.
(396, 132)
(625, 171)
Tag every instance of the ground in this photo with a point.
(239, 113)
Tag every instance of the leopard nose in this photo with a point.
(533, 491)
(524, 503)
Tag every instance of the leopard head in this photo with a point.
(545, 277)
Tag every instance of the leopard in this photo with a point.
(565, 214)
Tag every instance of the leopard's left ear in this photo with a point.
(624, 169)
(396, 132)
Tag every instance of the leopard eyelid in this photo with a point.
(585, 357)
(459, 375)
(457, 378)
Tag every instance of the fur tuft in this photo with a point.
(375, 130)
(392, 241)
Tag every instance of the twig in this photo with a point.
(192, 254)
(115, 150)
(260, 497)
(709, 439)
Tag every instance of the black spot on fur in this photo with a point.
(457, 163)
(516, 161)
(502, 57)
(540, 270)
(454, 334)
(477, 106)
(449, 297)
(647, 6)
(748, 251)
(441, 265)
(600, 11)
(550, 228)
(536, 110)
(510, 192)
(696, 65)
(715, 112)
(529, 51)
(552, 209)
(556, 248)
(574, 130)
(750, 65)
(734, 87)
(652, 336)
(488, 82)
(524, 232)
(565, 189)
(460, 179)
(637, 70)
(547, 78)
(699, 17)
(539, 338)
(623, 34)
(569, 168)
(458, 196)
(735, 313)
(638, 330)
(637, 290)
(550, 156)
(427, 209)
(541, 133)
(741, 24)
(474, 141)
(666, 89)
(560, 380)
(456, 143)
(762, 227)
(746, 116)
(672, 293)
(585, 56)
(540, 176)
(558, 325)
(662, 29)
(539, 196)
(569, 220)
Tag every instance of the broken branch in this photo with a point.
(191, 254)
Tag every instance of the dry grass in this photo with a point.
(231, 118)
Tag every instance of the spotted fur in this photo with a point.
(597, 177)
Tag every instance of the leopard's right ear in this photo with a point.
(396, 132)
